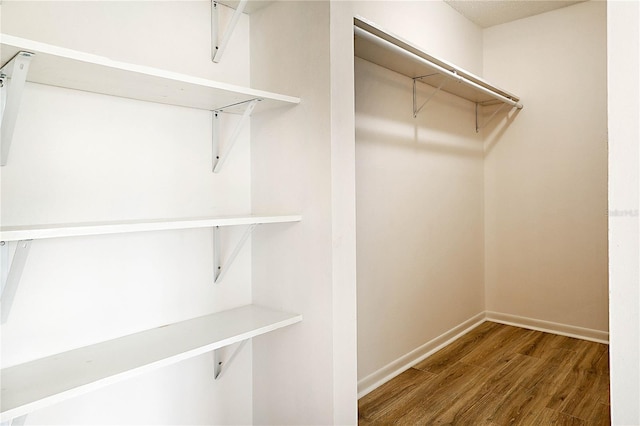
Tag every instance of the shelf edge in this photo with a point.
(136, 371)
(37, 47)
(122, 227)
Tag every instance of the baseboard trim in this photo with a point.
(405, 362)
(549, 327)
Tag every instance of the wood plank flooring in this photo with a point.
(499, 375)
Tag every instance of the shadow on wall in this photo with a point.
(384, 115)
(496, 128)
(366, 135)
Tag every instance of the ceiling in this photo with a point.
(487, 13)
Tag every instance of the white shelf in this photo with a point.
(61, 67)
(37, 384)
(374, 44)
(35, 232)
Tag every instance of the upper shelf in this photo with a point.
(252, 6)
(61, 67)
(37, 384)
(34, 232)
(376, 45)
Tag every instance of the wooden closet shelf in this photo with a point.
(35, 232)
(62, 67)
(40, 383)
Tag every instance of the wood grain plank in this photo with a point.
(541, 345)
(453, 409)
(602, 365)
(547, 416)
(584, 398)
(452, 353)
(601, 415)
(394, 392)
(496, 346)
(434, 396)
(512, 374)
(499, 375)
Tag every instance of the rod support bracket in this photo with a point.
(480, 127)
(416, 109)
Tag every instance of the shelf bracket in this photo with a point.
(11, 271)
(416, 110)
(17, 421)
(217, 359)
(219, 45)
(220, 157)
(13, 75)
(219, 271)
(478, 127)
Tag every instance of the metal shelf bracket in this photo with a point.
(478, 126)
(13, 75)
(11, 271)
(219, 271)
(217, 359)
(17, 421)
(219, 45)
(416, 110)
(220, 156)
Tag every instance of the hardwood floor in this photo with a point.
(499, 375)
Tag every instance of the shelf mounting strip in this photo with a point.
(13, 75)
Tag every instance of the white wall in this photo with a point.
(291, 171)
(343, 187)
(80, 157)
(623, 43)
(419, 193)
(546, 169)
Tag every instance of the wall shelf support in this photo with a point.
(17, 421)
(416, 110)
(13, 75)
(220, 156)
(219, 45)
(478, 127)
(219, 364)
(11, 271)
(220, 270)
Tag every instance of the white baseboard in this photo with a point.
(403, 363)
(549, 327)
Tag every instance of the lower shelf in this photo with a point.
(37, 384)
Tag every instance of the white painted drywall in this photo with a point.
(546, 169)
(343, 203)
(78, 157)
(419, 192)
(291, 171)
(623, 44)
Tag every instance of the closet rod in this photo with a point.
(390, 46)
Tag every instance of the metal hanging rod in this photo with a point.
(397, 50)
